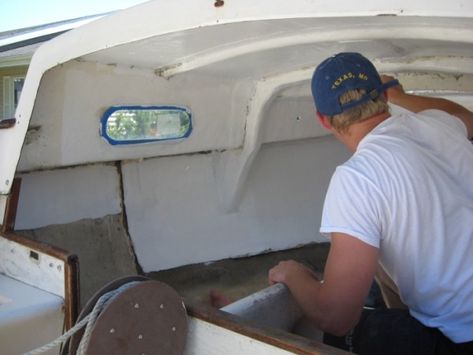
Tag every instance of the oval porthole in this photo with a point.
(144, 124)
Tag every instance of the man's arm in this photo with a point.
(416, 103)
(334, 305)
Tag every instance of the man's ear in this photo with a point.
(324, 121)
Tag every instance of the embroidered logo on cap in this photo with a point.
(347, 76)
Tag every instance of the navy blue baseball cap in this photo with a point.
(341, 73)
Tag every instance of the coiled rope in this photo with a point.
(88, 321)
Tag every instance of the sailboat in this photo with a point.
(175, 138)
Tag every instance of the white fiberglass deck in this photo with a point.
(29, 317)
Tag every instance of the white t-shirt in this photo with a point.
(408, 190)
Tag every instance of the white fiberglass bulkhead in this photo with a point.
(242, 68)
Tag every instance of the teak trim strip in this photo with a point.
(278, 338)
(71, 273)
(11, 206)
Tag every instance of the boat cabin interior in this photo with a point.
(178, 139)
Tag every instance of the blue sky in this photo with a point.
(16, 14)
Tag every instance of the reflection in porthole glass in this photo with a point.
(141, 124)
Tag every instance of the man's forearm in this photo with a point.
(323, 311)
(417, 103)
(305, 289)
(335, 305)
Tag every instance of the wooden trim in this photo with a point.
(71, 273)
(11, 207)
(278, 338)
(37, 245)
(71, 262)
(72, 293)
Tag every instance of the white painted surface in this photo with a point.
(29, 319)
(69, 110)
(68, 195)
(209, 339)
(243, 71)
(126, 38)
(288, 44)
(234, 166)
(176, 216)
(214, 71)
(32, 267)
(292, 117)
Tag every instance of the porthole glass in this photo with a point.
(142, 124)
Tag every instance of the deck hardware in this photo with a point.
(34, 255)
(111, 306)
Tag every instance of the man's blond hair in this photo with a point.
(358, 113)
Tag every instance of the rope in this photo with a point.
(59, 340)
(88, 320)
(103, 301)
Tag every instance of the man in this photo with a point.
(403, 201)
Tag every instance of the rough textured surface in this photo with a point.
(176, 215)
(103, 247)
(235, 278)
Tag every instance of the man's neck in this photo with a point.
(357, 131)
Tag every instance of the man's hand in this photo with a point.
(394, 92)
(335, 305)
(287, 270)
